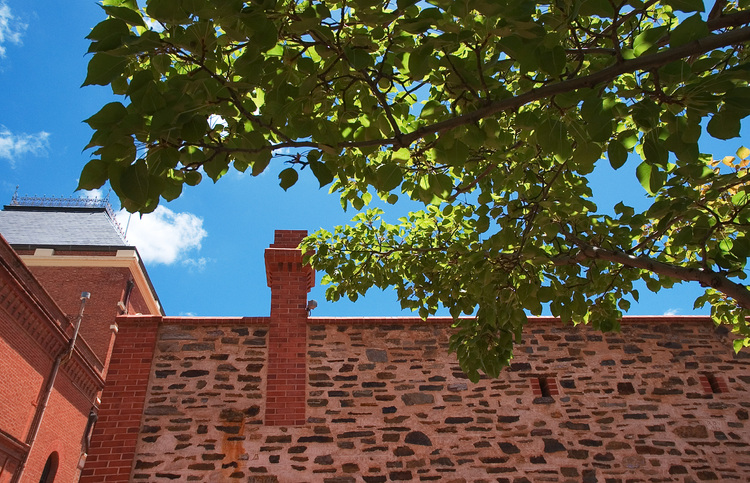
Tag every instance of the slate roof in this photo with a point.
(49, 227)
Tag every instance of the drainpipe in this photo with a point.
(47, 391)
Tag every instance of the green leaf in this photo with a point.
(292, 74)
(134, 183)
(161, 160)
(692, 28)
(441, 185)
(287, 178)
(195, 129)
(655, 152)
(650, 177)
(94, 175)
(263, 31)
(388, 177)
(108, 115)
(321, 172)
(107, 35)
(216, 167)
(192, 178)
(585, 156)
(552, 137)
(724, 125)
(131, 16)
(648, 39)
(482, 224)
(419, 65)
(553, 60)
(358, 58)
(260, 162)
(617, 154)
(104, 68)
(171, 191)
(166, 10)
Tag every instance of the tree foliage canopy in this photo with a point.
(492, 113)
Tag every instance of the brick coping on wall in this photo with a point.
(628, 319)
(353, 320)
(193, 320)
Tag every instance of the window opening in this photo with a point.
(50, 468)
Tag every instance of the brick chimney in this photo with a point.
(290, 282)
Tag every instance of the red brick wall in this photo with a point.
(23, 366)
(32, 335)
(116, 432)
(62, 431)
(107, 287)
(288, 238)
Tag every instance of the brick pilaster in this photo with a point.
(115, 435)
(290, 283)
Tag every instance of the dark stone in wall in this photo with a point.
(194, 373)
(324, 460)
(418, 438)
(376, 355)
(315, 439)
(415, 398)
(458, 420)
(400, 475)
(403, 451)
(691, 432)
(552, 445)
(509, 448)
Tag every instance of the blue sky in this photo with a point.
(204, 251)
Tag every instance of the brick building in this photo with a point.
(292, 398)
(51, 373)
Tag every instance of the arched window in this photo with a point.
(50, 468)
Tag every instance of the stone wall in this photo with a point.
(204, 403)
(386, 402)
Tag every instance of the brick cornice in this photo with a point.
(12, 447)
(287, 260)
(124, 259)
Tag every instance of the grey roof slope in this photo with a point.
(59, 227)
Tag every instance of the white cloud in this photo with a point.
(12, 146)
(196, 265)
(10, 27)
(95, 194)
(672, 312)
(164, 236)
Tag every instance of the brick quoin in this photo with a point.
(290, 281)
(115, 435)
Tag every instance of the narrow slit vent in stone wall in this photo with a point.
(544, 387)
(713, 384)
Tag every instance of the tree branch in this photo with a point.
(700, 46)
(647, 62)
(706, 277)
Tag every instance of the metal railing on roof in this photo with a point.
(55, 202)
